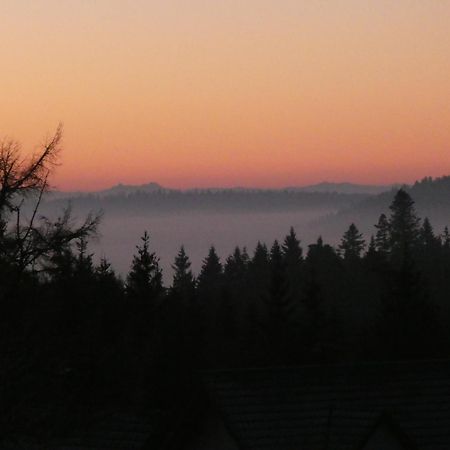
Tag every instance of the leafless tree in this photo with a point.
(26, 242)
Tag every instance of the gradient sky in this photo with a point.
(230, 92)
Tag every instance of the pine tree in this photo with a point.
(84, 267)
(107, 279)
(372, 256)
(403, 225)
(183, 283)
(104, 269)
(352, 244)
(292, 252)
(427, 238)
(144, 281)
(259, 264)
(235, 266)
(293, 262)
(211, 272)
(382, 237)
(258, 281)
(279, 307)
(372, 248)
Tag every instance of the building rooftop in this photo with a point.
(334, 407)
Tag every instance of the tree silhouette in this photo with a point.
(382, 237)
(144, 281)
(352, 243)
(292, 252)
(183, 284)
(27, 244)
(427, 237)
(403, 225)
(211, 271)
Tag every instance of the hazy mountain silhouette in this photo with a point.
(153, 198)
(432, 197)
(344, 188)
(123, 189)
(118, 189)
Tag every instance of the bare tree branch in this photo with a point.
(33, 242)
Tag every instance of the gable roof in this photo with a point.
(334, 407)
(386, 425)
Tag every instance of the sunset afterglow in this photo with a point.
(232, 93)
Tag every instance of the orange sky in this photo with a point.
(230, 92)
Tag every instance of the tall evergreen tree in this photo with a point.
(292, 252)
(211, 272)
(277, 269)
(183, 283)
(279, 308)
(427, 238)
(293, 263)
(403, 225)
(259, 267)
(382, 237)
(235, 266)
(84, 265)
(352, 244)
(144, 281)
(258, 293)
(107, 280)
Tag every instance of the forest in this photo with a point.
(169, 200)
(73, 331)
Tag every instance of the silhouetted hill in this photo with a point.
(153, 198)
(431, 196)
(124, 189)
(118, 189)
(344, 188)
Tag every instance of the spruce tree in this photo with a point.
(211, 272)
(403, 225)
(352, 244)
(428, 239)
(183, 283)
(144, 281)
(107, 280)
(259, 264)
(293, 262)
(292, 252)
(279, 307)
(235, 266)
(258, 289)
(382, 237)
(84, 267)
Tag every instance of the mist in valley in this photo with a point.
(226, 218)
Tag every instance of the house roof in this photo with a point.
(334, 407)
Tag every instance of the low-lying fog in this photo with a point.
(197, 231)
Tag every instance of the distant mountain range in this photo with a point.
(152, 187)
(349, 201)
(344, 188)
(333, 205)
(118, 189)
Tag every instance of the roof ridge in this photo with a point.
(276, 369)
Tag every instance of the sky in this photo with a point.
(266, 93)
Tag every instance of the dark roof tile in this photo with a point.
(334, 407)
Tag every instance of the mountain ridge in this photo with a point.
(151, 187)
